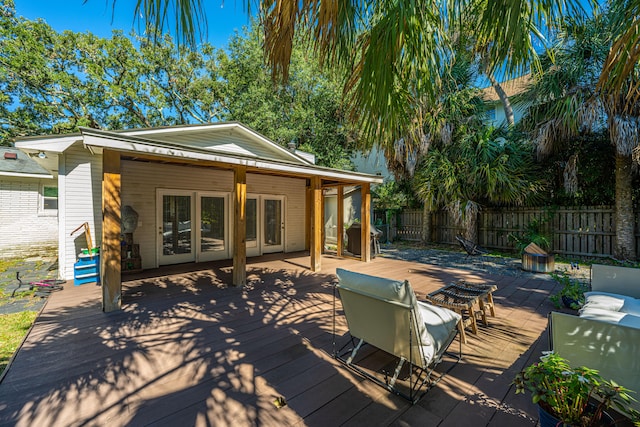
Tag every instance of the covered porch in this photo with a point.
(133, 156)
(188, 349)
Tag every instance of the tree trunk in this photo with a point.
(506, 104)
(426, 224)
(625, 246)
(472, 228)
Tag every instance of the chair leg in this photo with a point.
(463, 335)
(483, 312)
(474, 325)
(355, 350)
(396, 374)
(491, 306)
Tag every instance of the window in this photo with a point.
(49, 200)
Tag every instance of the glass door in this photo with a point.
(175, 231)
(272, 224)
(213, 235)
(253, 249)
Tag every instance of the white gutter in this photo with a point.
(26, 175)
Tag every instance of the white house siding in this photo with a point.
(23, 230)
(139, 184)
(500, 119)
(231, 142)
(81, 185)
(294, 190)
(373, 163)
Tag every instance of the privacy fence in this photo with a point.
(576, 231)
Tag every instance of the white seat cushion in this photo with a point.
(440, 323)
(615, 317)
(613, 302)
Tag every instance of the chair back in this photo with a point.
(384, 313)
(615, 280)
(468, 246)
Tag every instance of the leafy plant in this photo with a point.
(572, 289)
(576, 396)
(534, 232)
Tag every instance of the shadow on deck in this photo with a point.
(187, 349)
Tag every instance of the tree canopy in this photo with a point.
(56, 82)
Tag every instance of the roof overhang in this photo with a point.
(96, 140)
(27, 175)
(54, 144)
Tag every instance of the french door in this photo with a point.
(213, 231)
(265, 224)
(272, 224)
(195, 226)
(179, 240)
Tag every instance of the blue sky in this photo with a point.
(96, 16)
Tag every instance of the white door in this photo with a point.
(212, 235)
(253, 225)
(175, 233)
(272, 224)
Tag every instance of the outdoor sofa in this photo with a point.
(606, 333)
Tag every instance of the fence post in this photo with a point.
(393, 225)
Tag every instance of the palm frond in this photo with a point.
(189, 18)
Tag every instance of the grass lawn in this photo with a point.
(13, 328)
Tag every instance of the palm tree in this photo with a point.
(620, 70)
(394, 50)
(478, 167)
(564, 103)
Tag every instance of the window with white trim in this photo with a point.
(49, 199)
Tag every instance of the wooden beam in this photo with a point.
(316, 223)
(240, 226)
(110, 274)
(365, 216)
(307, 216)
(340, 219)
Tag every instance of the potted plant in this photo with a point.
(572, 292)
(572, 396)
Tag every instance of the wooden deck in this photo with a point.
(189, 350)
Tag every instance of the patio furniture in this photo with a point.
(461, 303)
(484, 291)
(606, 334)
(354, 235)
(386, 314)
(472, 249)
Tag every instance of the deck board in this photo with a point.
(187, 349)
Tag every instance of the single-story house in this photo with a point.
(28, 203)
(196, 193)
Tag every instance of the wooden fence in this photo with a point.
(575, 231)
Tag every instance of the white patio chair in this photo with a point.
(386, 314)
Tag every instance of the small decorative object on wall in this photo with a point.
(131, 260)
(129, 219)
